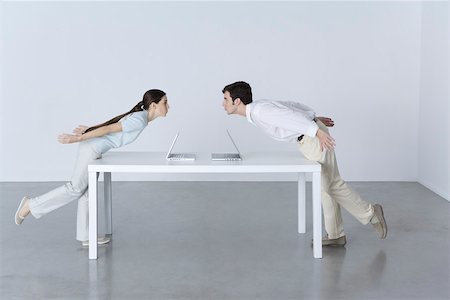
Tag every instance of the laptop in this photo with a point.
(178, 156)
(227, 156)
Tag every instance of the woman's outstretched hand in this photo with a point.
(326, 141)
(80, 129)
(66, 138)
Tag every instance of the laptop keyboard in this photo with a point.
(226, 156)
(230, 156)
(181, 156)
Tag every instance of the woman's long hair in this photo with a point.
(151, 96)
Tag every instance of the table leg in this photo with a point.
(93, 233)
(317, 215)
(108, 202)
(301, 203)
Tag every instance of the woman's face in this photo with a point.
(162, 107)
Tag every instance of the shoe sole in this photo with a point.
(17, 215)
(341, 244)
(382, 221)
(98, 243)
(334, 245)
(331, 244)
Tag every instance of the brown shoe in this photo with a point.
(380, 227)
(326, 242)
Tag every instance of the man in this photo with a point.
(295, 122)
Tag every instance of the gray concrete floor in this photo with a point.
(225, 240)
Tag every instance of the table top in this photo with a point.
(252, 162)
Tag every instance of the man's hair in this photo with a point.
(241, 90)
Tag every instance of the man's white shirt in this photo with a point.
(282, 120)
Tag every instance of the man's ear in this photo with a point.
(237, 101)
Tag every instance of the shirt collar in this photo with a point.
(248, 109)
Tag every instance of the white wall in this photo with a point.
(64, 64)
(434, 99)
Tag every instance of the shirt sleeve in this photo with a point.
(132, 122)
(298, 106)
(288, 118)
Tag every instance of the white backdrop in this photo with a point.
(434, 164)
(70, 63)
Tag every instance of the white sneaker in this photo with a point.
(100, 241)
(18, 219)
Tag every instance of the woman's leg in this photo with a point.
(83, 217)
(68, 192)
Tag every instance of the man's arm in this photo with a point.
(287, 118)
(326, 141)
(296, 121)
(326, 121)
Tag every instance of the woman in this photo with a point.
(94, 141)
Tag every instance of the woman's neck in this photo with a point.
(151, 115)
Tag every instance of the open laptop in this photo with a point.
(178, 156)
(227, 156)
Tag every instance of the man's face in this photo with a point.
(228, 103)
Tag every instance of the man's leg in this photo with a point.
(331, 209)
(351, 201)
(363, 211)
(340, 192)
(344, 195)
(332, 217)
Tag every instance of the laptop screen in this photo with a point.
(173, 143)
(233, 142)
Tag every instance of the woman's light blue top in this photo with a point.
(132, 126)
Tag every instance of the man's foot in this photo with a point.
(326, 242)
(100, 241)
(380, 226)
(22, 211)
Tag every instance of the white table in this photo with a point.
(155, 162)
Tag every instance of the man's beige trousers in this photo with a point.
(335, 192)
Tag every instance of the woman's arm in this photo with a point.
(80, 129)
(74, 138)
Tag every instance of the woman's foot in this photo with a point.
(100, 241)
(22, 211)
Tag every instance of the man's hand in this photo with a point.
(326, 121)
(66, 138)
(80, 129)
(326, 141)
